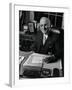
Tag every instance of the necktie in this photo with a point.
(44, 39)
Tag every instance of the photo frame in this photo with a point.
(31, 26)
(14, 45)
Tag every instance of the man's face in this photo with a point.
(44, 25)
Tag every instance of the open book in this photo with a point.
(35, 59)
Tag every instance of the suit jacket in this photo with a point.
(52, 44)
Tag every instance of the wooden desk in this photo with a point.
(39, 68)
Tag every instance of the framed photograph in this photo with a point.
(31, 26)
(39, 45)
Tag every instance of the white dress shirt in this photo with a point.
(44, 38)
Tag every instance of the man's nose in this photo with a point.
(44, 27)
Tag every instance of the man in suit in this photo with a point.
(45, 39)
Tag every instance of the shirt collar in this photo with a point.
(46, 36)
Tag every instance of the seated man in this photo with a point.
(46, 41)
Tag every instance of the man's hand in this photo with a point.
(50, 59)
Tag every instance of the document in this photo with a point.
(21, 58)
(35, 59)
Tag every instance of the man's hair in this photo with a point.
(47, 19)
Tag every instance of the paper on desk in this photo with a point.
(36, 59)
(21, 58)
